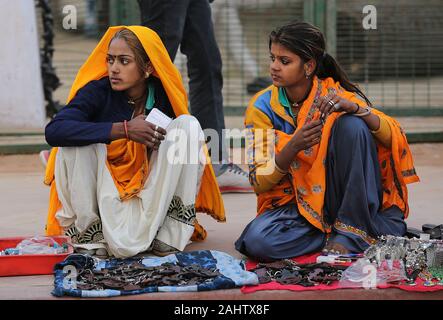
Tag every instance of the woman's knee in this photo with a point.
(186, 119)
(257, 245)
(349, 126)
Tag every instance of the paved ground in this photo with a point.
(24, 203)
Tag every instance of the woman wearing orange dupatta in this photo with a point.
(329, 171)
(120, 184)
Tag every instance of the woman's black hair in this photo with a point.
(308, 42)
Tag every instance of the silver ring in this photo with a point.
(331, 103)
(156, 134)
(156, 128)
(153, 139)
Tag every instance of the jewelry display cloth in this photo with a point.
(230, 272)
(311, 258)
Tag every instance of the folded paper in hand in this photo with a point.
(158, 118)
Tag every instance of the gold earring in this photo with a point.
(147, 74)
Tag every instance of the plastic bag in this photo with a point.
(364, 274)
(39, 245)
(361, 274)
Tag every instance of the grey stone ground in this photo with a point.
(23, 209)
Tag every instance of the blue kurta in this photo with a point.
(89, 116)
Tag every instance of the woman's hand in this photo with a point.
(308, 136)
(142, 131)
(335, 103)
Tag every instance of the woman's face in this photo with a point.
(286, 68)
(123, 71)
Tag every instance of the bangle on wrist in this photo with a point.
(356, 110)
(364, 114)
(125, 125)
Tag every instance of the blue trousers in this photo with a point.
(353, 202)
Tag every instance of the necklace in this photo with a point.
(133, 101)
(297, 104)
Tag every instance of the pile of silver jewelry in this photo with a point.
(419, 258)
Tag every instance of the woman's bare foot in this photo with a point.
(335, 248)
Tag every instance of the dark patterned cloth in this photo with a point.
(82, 276)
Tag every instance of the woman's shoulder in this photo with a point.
(261, 99)
(158, 86)
(259, 112)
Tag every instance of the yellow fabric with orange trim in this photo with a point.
(127, 160)
(306, 182)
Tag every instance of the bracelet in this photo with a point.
(364, 114)
(125, 124)
(356, 110)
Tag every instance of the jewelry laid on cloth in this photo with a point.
(418, 256)
(134, 275)
(288, 272)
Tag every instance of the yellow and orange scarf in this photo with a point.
(127, 160)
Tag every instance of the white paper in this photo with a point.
(158, 118)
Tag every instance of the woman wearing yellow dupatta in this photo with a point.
(329, 171)
(120, 184)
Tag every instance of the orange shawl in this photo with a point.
(309, 173)
(127, 160)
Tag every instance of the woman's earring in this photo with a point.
(307, 75)
(147, 74)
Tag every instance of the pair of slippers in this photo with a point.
(435, 231)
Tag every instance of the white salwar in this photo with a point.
(95, 217)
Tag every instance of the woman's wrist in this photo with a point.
(355, 109)
(118, 131)
(294, 147)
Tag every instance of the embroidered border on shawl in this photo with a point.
(178, 211)
(314, 104)
(311, 210)
(347, 228)
(92, 234)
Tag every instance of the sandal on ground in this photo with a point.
(161, 249)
